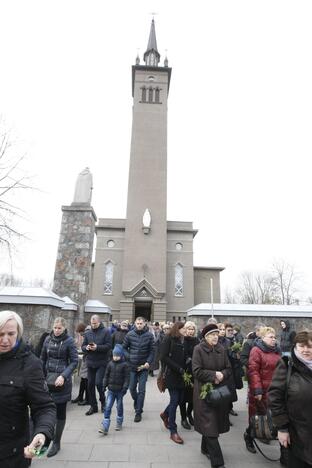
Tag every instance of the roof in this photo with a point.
(95, 306)
(251, 310)
(69, 304)
(21, 295)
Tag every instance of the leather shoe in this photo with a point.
(137, 417)
(91, 411)
(76, 400)
(185, 424)
(176, 438)
(233, 413)
(83, 403)
(165, 419)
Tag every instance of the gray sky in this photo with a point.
(239, 129)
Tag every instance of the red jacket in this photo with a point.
(261, 365)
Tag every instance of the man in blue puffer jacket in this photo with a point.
(139, 347)
(97, 345)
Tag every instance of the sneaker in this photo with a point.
(103, 431)
(137, 417)
(118, 427)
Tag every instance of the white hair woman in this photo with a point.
(60, 358)
(22, 387)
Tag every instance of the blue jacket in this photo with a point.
(102, 338)
(140, 347)
(59, 354)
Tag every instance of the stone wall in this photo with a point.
(72, 275)
(248, 324)
(39, 318)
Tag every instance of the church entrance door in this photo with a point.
(143, 309)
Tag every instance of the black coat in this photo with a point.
(172, 355)
(140, 347)
(117, 376)
(210, 421)
(59, 354)
(293, 412)
(118, 337)
(287, 337)
(22, 385)
(102, 338)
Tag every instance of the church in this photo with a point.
(144, 263)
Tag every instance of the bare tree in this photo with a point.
(12, 280)
(13, 179)
(285, 280)
(278, 286)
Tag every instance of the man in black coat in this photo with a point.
(97, 345)
(140, 348)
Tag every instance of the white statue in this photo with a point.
(147, 219)
(83, 189)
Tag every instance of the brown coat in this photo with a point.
(206, 361)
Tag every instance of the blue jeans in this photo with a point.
(176, 398)
(138, 378)
(110, 400)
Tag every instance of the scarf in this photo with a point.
(306, 362)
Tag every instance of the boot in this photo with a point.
(56, 445)
(249, 443)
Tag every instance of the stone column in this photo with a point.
(72, 275)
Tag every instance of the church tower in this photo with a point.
(146, 221)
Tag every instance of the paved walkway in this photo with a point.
(147, 444)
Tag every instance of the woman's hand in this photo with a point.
(258, 397)
(219, 376)
(284, 438)
(35, 446)
(59, 381)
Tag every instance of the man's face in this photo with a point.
(229, 332)
(8, 336)
(95, 323)
(139, 324)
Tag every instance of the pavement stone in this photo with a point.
(147, 444)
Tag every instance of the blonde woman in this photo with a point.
(186, 407)
(261, 365)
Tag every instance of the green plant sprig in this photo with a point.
(205, 390)
(236, 347)
(187, 379)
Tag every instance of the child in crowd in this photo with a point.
(116, 378)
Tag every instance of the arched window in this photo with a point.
(157, 95)
(178, 280)
(108, 281)
(150, 94)
(144, 94)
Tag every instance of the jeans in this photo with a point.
(138, 379)
(95, 379)
(110, 400)
(176, 398)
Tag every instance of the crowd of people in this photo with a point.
(202, 370)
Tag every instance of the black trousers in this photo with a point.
(211, 445)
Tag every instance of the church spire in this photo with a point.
(152, 56)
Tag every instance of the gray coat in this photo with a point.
(207, 360)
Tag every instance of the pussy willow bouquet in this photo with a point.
(205, 390)
(236, 347)
(187, 379)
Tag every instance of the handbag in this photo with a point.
(219, 396)
(262, 427)
(161, 381)
(50, 379)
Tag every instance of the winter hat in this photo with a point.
(211, 328)
(118, 351)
